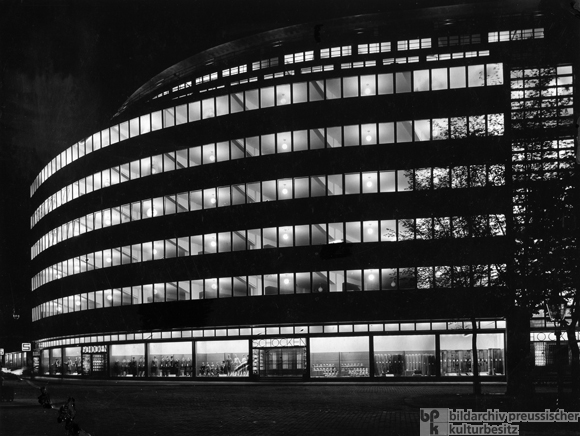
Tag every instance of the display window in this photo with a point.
(171, 359)
(339, 357)
(127, 360)
(45, 362)
(404, 356)
(55, 365)
(457, 354)
(72, 361)
(222, 358)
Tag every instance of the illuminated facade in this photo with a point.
(283, 206)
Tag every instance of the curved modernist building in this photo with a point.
(318, 201)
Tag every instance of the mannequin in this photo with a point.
(141, 367)
(154, 366)
(117, 369)
(133, 367)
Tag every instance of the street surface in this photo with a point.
(151, 408)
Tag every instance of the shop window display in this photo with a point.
(170, 359)
(339, 357)
(127, 360)
(404, 356)
(55, 362)
(457, 355)
(72, 361)
(222, 358)
(45, 362)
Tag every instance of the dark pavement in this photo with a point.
(187, 408)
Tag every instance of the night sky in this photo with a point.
(67, 66)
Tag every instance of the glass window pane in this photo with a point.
(253, 146)
(334, 137)
(194, 111)
(352, 184)
(351, 135)
(335, 280)
(371, 231)
(317, 186)
(286, 236)
(284, 142)
(476, 75)
(438, 79)
(268, 144)
(210, 243)
(300, 140)
(335, 184)
(422, 130)
(181, 114)
(209, 198)
(269, 190)
(387, 179)
(421, 80)
(168, 117)
(303, 283)
(404, 131)
(208, 108)
(251, 99)
(240, 286)
(267, 97)
(353, 232)
(238, 194)
(301, 235)
(457, 77)
(494, 74)
(333, 89)
(222, 107)
(300, 188)
(440, 128)
(194, 156)
(224, 242)
(254, 239)
(353, 281)
(270, 238)
(405, 180)
(255, 285)
(403, 82)
(370, 184)
(386, 133)
(335, 233)
(236, 102)
(223, 151)
(253, 192)
(350, 86)
(316, 90)
(195, 200)
(385, 83)
(368, 86)
(282, 95)
(369, 134)
(299, 92)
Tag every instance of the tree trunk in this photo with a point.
(475, 359)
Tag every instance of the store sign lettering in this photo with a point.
(279, 342)
(95, 349)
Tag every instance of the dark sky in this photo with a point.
(67, 66)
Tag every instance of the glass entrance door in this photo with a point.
(281, 362)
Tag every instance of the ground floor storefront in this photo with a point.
(420, 351)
